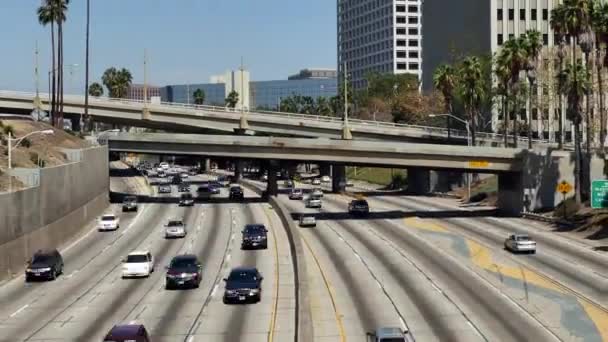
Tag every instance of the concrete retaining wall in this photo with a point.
(55, 211)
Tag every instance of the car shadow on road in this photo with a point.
(395, 214)
(118, 197)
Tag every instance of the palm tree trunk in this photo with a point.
(601, 103)
(588, 113)
(516, 114)
(577, 135)
(560, 140)
(529, 116)
(505, 116)
(60, 43)
(54, 81)
(473, 127)
(85, 123)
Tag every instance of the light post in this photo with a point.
(11, 147)
(467, 125)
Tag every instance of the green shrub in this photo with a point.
(399, 180)
(26, 143)
(34, 157)
(8, 129)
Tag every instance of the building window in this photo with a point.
(400, 20)
(401, 8)
(511, 36)
(414, 66)
(499, 14)
(412, 31)
(401, 66)
(412, 9)
(522, 14)
(401, 42)
(412, 20)
(533, 13)
(400, 30)
(413, 42)
(545, 39)
(511, 14)
(534, 113)
(499, 39)
(413, 54)
(545, 14)
(401, 54)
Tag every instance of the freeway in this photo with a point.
(91, 296)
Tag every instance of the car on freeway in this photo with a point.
(164, 189)
(108, 222)
(389, 334)
(325, 179)
(254, 236)
(184, 187)
(128, 333)
(151, 173)
(244, 284)
(215, 188)
(349, 183)
(296, 194)
(289, 183)
(129, 203)
(358, 207)
(183, 271)
(45, 264)
(175, 228)
(520, 243)
(184, 175)
(316, 181)
(164, 166)
(177, 180)
(236, 193)
(162, 173)
(203, 191)
(313, 201)
(308, 221)
(193, 172)
(265, 177)
(138, 264)
(186, 200)
(317, 192)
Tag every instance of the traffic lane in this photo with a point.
(114, 298)
(242, 322)
(556, 306)
(379, 277)
(170, 314)
(548, 260)
(496, 316)
(76, 254)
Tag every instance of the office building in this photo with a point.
(379, 36)
(453, 29)
(136, 92)
(260, 94)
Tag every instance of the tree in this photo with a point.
(322, 106)
(445, 80)
(95, 89)
(86, 72)
(532, 45)
(61, 7)
(46, 15)
(232, 99)
(502, 72)
(336, 104)
(471, 90)
(199, 96)
(308, 105)
(117, 82)
(599, 23)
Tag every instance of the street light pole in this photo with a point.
(86, 72)
(346, 133)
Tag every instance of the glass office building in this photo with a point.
(264, 94)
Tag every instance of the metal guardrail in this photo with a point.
(355, 123)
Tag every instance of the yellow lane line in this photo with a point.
(273, 319)
(337, 314)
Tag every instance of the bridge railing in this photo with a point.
(355, 123)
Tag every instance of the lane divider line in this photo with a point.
(337, 314)
(19, 310)
(275, 306)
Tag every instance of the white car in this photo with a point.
(325, 179)
(108, 222)
(317, 193)
(138, 264)
(308, 221)
(313, 202)
(175, 229)
(316, 181)
(184, 175)
(164, 166)
(520, 243)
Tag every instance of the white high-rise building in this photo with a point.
(379, 36)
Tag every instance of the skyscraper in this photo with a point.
(379, 36)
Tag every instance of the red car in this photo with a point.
(128, 332)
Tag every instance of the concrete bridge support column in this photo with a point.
(418, 181)
(207, 164)
(325, 169)
(272, 188)
(510, 194)
(238, 169)
(440, 181)
(338, 178)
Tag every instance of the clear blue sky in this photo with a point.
(187, 40)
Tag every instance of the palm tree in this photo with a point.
(61, 9)
(199, 96)
(444, 80)
(46, 16)
(532, 45)
(95, 89)
(470, 74)
(322, 106)
(117, 81)
(232, 99)
(502, 72)
(599, 24)
(559, 30)
(86, 76)
(514, 55)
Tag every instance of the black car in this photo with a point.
(186, 200)
(177, 180)
(243, 285)
(45, 264)
(236, 193)
(358, 207)
(129, 203)
(254, 236)
(184, 271)
(184, 187)
(204, 191)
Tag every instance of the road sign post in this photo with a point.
(564, 188)
(599, 193)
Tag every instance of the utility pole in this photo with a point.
(243, 124)
(346, 134)
(37, 102)
(146, 111)
(86, 73)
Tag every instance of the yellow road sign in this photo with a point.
(479, 163)
(564, 187)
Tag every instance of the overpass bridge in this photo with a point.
(517, 169)
(200, 119)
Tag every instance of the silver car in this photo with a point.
(520, 243)
(175, 229)
(313, 202)
(308, 221)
